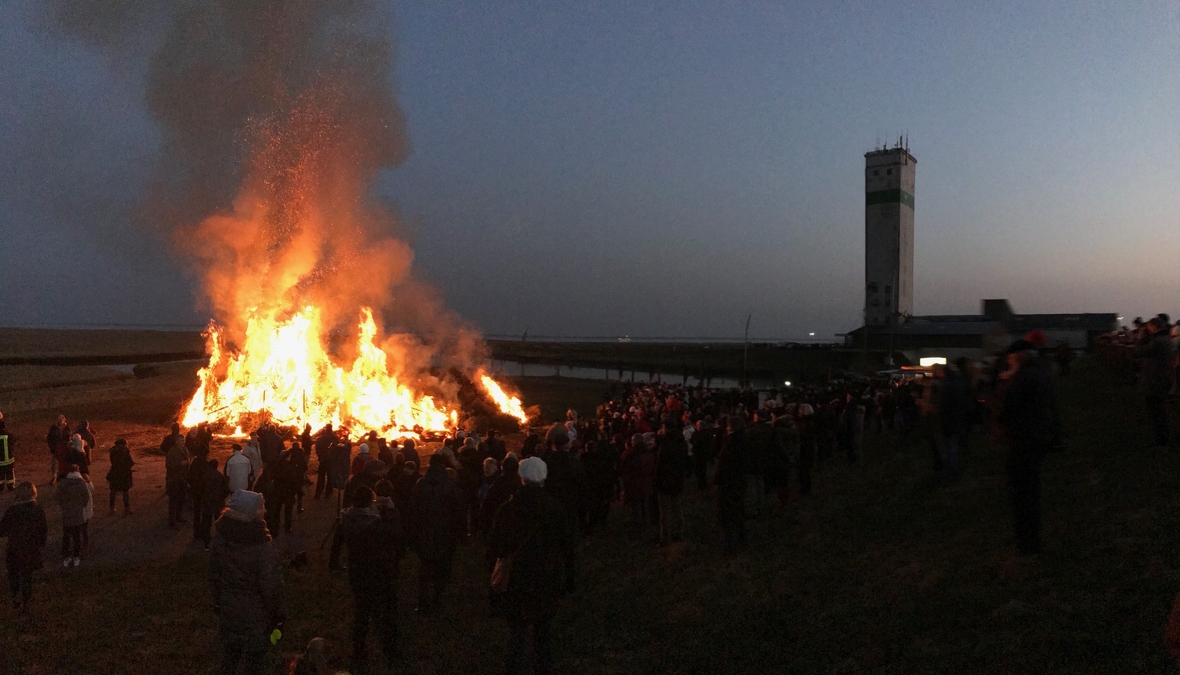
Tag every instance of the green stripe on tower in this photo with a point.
(889, 197)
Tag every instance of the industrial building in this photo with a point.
(889, 322)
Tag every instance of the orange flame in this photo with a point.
(509, 405)
(282, 369)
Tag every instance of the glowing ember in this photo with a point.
(509, 405)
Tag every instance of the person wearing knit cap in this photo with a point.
(246, 583)
(358, 462)
(529, 532)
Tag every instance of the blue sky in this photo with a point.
(664, 169)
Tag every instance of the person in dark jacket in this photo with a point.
(954, 418)
(367, 479)
(198, 474)
(1156, 378)
(566, 479)
(171, 439)
(730, 479)
(324, 446)
(704, 449)
(77, 456)
(600, 464)
(495, 447)
(438, 528)
(58, 440)
(372, 536)
(26, 529)
(87, 435)
(214, 490)
(119, 475)
(176, 480)
(638, 466)
(499, 492)
(403, 489)
(411, 453)
(531, 539)
(805, 420)
(269, 486)
(470, 474)
(671, 467)
(246, 584)
(270, 443)
(298, 461)
(1026, 417)
(758, 440)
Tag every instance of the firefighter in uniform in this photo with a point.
(7, 461)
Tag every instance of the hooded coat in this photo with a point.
(119, 475)
(73, 496)
(244, 576)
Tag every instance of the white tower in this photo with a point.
(889, 235)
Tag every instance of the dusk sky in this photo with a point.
(665, 169)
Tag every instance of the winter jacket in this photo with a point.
(1027, 413)
(503, 487)
(214, 490)
(566, 480)
(26, 529)
(532, 530)
(244, 576)
(73, 496)
(373, 537)
(176, 467)
(671, 465)
(58, 439)
(1156, 374)
(638, 466)
(253, 454)
(119, 475)
(238, 472)
(438, 520)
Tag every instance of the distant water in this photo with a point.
(517, 369)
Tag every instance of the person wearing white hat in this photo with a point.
(530, 531)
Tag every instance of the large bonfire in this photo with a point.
(283, 372)
(277, 121)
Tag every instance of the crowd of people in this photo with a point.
(645, 447)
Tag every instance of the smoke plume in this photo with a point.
(276, 118)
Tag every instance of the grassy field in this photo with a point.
(32, 342)
(882, 570)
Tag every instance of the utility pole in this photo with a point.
(746, 352)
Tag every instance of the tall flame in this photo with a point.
(283, 370)
(509, 405)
